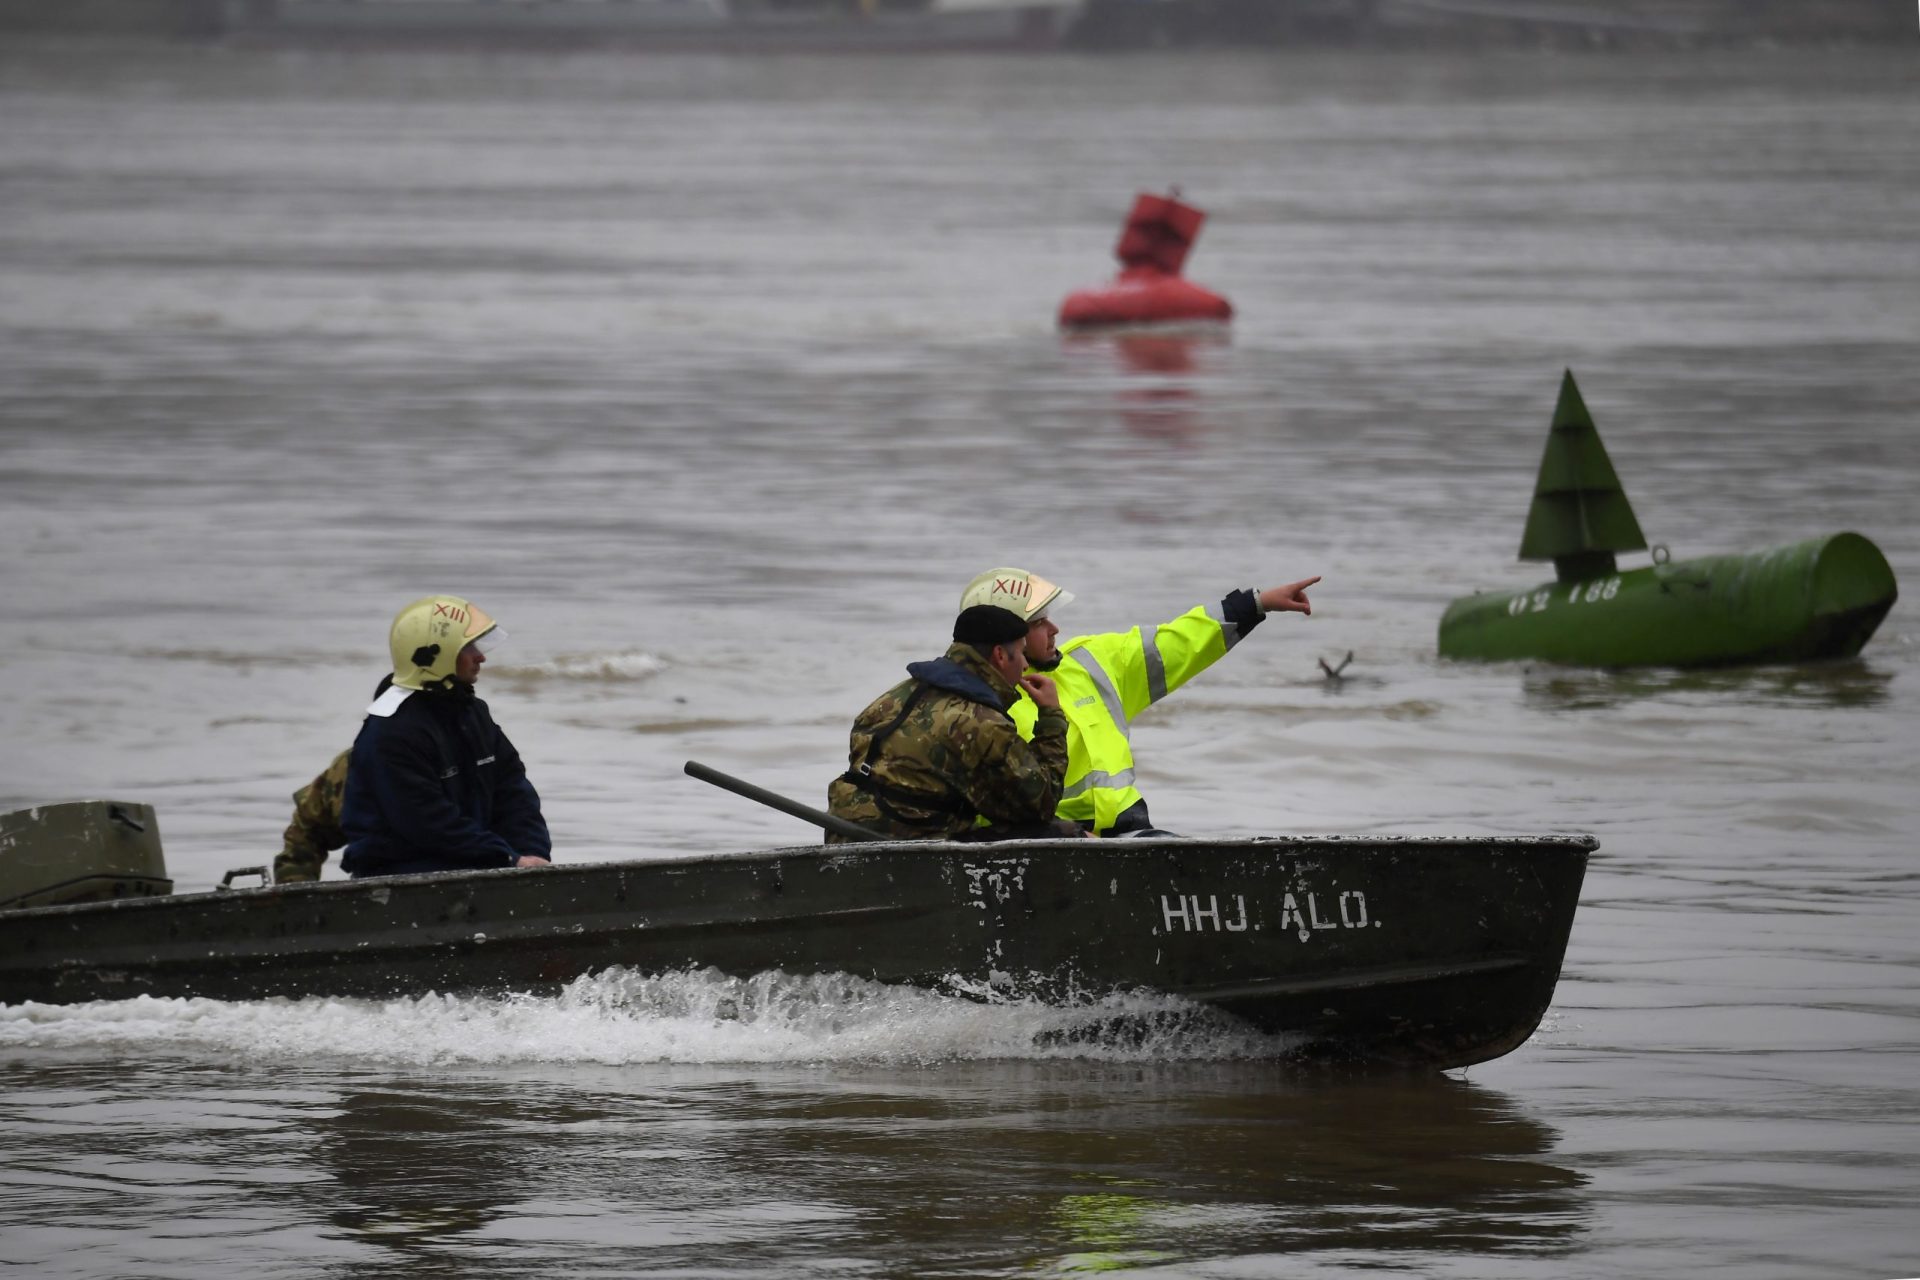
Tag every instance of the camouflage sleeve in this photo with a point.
(1011, 782)
(315, 829)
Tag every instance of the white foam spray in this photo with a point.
(633, 665)
(620, 1017)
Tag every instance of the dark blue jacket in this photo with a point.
(437, 787)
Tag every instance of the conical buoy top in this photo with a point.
(1580, 515)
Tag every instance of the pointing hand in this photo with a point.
(1291, 598)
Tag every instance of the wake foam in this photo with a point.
(619, 1016)
(602, 666)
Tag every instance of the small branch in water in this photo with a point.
(1333, 673)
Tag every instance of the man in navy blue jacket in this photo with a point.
(433, 784)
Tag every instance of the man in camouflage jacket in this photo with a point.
(937, 751)
(315, 829)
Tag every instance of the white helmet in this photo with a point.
(1016, 590)
(428, 635)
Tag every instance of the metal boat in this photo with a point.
(1423, 952)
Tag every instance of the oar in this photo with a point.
(839, 826)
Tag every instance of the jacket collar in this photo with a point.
(963, 671)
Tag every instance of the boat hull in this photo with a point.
(1424, 952)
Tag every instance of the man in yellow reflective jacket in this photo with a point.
(1106, 681)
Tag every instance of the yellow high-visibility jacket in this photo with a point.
(1105, 681)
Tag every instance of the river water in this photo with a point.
(714, 380)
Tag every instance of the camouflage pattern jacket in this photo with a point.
(947, 753)
(315, 829)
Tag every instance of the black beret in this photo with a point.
(988, 624)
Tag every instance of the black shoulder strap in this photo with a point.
(881, 735)
(861, 775)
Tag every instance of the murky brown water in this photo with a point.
(714, 380)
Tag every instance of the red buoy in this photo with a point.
(1149, 289)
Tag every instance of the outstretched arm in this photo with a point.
(1147, 663)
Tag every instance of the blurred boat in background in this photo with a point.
(906, 25)
(666, 25)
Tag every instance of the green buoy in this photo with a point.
(1821, 598)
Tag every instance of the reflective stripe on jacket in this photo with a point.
(1105, 681)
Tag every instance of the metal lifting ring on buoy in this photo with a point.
(1660, 553)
